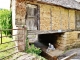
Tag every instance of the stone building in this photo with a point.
(54, 21)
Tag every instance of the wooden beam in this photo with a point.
(50, 19)
(60, 19)
(44, 32)
(32, 2)
(48, 31)
(68, 57)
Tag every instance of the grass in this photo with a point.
(6, 46)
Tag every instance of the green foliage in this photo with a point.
(6, 46)
(33, 49)
(6, 21)
(27, 43)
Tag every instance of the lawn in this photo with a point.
(6, 46)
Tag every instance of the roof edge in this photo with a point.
(58, 5)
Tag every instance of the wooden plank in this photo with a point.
(45, 32)
(68, 20)
(60, 19)
(50, 19)
(68, 57)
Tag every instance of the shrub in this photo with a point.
(33, 49)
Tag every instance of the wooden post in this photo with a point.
(25, 37)
(13, 22)
(1, 36)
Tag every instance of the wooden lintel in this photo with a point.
(31, 2)
(46, 32)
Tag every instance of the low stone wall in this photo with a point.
(68, 40)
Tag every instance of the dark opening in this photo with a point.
(77, 16)
(78, 35)
(49, 38)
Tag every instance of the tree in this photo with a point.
(6, 20)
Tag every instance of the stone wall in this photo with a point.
(68, 40)
(56, 17)
(20, 12)
(21, 37)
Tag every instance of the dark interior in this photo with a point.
(49, 38)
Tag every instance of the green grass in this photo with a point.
(6, 46)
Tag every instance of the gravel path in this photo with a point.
(77, 50)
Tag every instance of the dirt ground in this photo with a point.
(71, 51)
